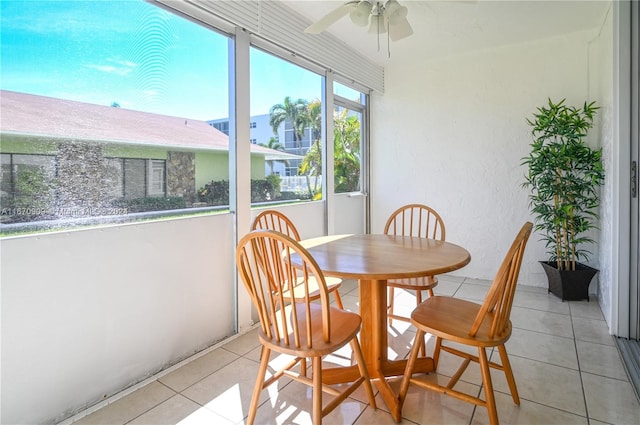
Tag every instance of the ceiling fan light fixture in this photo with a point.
(382, 16)
(395, 12)
(391, 7)
(360, 14)
(378, 25)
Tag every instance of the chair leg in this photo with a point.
(303, 366)
(506, 365)
(338, 299)
(413, 355)
(423, 347)
(392, 292)
(257, 389)
(357, 353)
(316, 414)
(488, 386)
(436, 352)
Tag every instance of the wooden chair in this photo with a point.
(275, 220)
(477, 325)
(295, 325)
(413, 220)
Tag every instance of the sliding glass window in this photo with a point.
(110, 112)
(348, 138)
(286, 125)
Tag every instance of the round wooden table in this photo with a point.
(374, 259)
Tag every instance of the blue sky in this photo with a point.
(135, 54)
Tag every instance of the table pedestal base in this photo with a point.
(389, 368)
(340, 375)
(374, 342)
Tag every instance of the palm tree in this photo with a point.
(275, 145)
(314, 112)
(347, 152)
(295, 112)
(312, 163)
(346, 139)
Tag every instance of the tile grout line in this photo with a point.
(545, 333)
(175, 393)
(575, 343)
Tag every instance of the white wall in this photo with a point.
(308, 217)
(451, 134)
(348, 213)
(87, 313)
(601, 83)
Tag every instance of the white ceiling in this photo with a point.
(448, 27)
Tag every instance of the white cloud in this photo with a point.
(119, 67)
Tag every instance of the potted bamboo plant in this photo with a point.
(564, 175)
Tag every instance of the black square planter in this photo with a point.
(570, 285)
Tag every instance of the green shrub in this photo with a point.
(274, 180)
(287, 195)
(217, 192)
(151, 204)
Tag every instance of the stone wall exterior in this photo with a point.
(79, 180)
(181, 175)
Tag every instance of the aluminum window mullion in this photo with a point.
(240, 160)
(634, 285)
(328, 174)
(286, 55)
(348, 104)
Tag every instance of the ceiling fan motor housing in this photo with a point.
(385, 15)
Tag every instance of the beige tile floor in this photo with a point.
(566, 366)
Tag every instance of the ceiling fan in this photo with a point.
(385, 16)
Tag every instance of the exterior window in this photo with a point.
(221, 126)
(156, 178)
(128, 178)
(28, 186)
(348, 138)
(288, 139)
(295, 112)
(126, 131)
(252, 125)
(135, 180)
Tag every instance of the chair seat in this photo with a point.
(451, 318)
(415, 283)
(293, 322)
(476, 325)
(344, 326)
(299, 291)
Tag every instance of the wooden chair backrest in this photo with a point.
(415, 220)
(497, 304)
(264, 263)
(275, 220)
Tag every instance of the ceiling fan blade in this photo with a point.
(331, 18)
(399, 29)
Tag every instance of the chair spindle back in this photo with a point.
(416, 220)
(275, 220)
(264, 259)
(499, 300)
